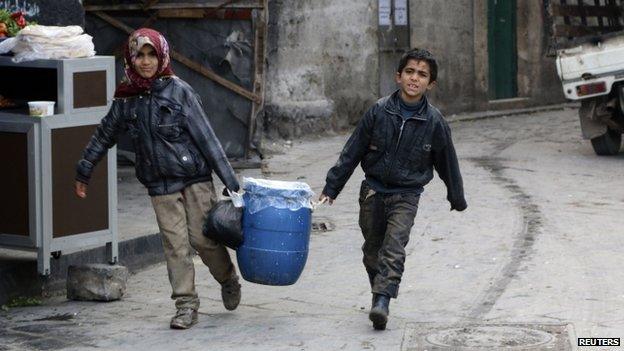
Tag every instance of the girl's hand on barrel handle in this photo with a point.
(324, 198)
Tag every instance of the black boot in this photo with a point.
(379, 312)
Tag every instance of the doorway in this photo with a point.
(502, 54)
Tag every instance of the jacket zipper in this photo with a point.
(396, 149)
(152, 132)
(400, 135)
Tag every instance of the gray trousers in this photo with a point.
(180, 219)
(386, 221)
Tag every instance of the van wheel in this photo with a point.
(607, 144)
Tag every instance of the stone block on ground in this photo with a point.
(96, 282)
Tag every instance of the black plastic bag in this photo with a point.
(224, 224)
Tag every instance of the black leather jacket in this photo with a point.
(400, 153)
(174, 143)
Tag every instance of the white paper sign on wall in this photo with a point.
(384, 12)
(400, 12)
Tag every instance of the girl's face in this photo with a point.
(146, 63)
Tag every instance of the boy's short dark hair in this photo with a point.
(420, 55)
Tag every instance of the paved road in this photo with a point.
(535, 260)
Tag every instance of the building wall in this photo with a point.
(322, 64)
(325, 67)
(537, 77)
(446, 28)
(461, 46)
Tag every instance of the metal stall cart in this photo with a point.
(39, 210)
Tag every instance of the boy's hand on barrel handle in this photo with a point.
(324, 198)
(80, 189)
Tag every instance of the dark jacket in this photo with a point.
(400, 153)
(174, 143)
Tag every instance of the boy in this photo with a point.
(398, 141)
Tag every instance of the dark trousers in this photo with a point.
(386, 221)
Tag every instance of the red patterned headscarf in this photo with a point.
(134, 84)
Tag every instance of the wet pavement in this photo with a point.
(532, 264)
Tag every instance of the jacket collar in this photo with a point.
(160, 83)
(392, 107)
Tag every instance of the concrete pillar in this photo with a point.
(322, 65)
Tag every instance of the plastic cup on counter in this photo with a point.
(41, 108)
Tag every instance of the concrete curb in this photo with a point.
(473, 116)
(19, 277)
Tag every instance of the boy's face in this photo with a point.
(414, 80)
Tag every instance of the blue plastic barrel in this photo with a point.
(275, 245)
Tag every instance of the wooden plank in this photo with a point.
(566, 19)
(187, 62)
(206, 4)
(255, 107)
(584, 11)
(148, 3)
(581, 8)
(215, 77)
(229, 14)
(562, 30)
(613, 20)
(114, 22)
(261, 27)
(568, 42)
(600, 21)
(181, 13)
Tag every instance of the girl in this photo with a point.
(176, 151)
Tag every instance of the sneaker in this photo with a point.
(379, 311)
(184, 318)
(231, 293)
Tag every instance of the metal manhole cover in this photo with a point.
(507, 337)
(516, 337)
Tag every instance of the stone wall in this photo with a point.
(322, 65)
(537, 72)
(446, 29)
(456, 33)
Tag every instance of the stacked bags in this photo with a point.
(51, 42)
